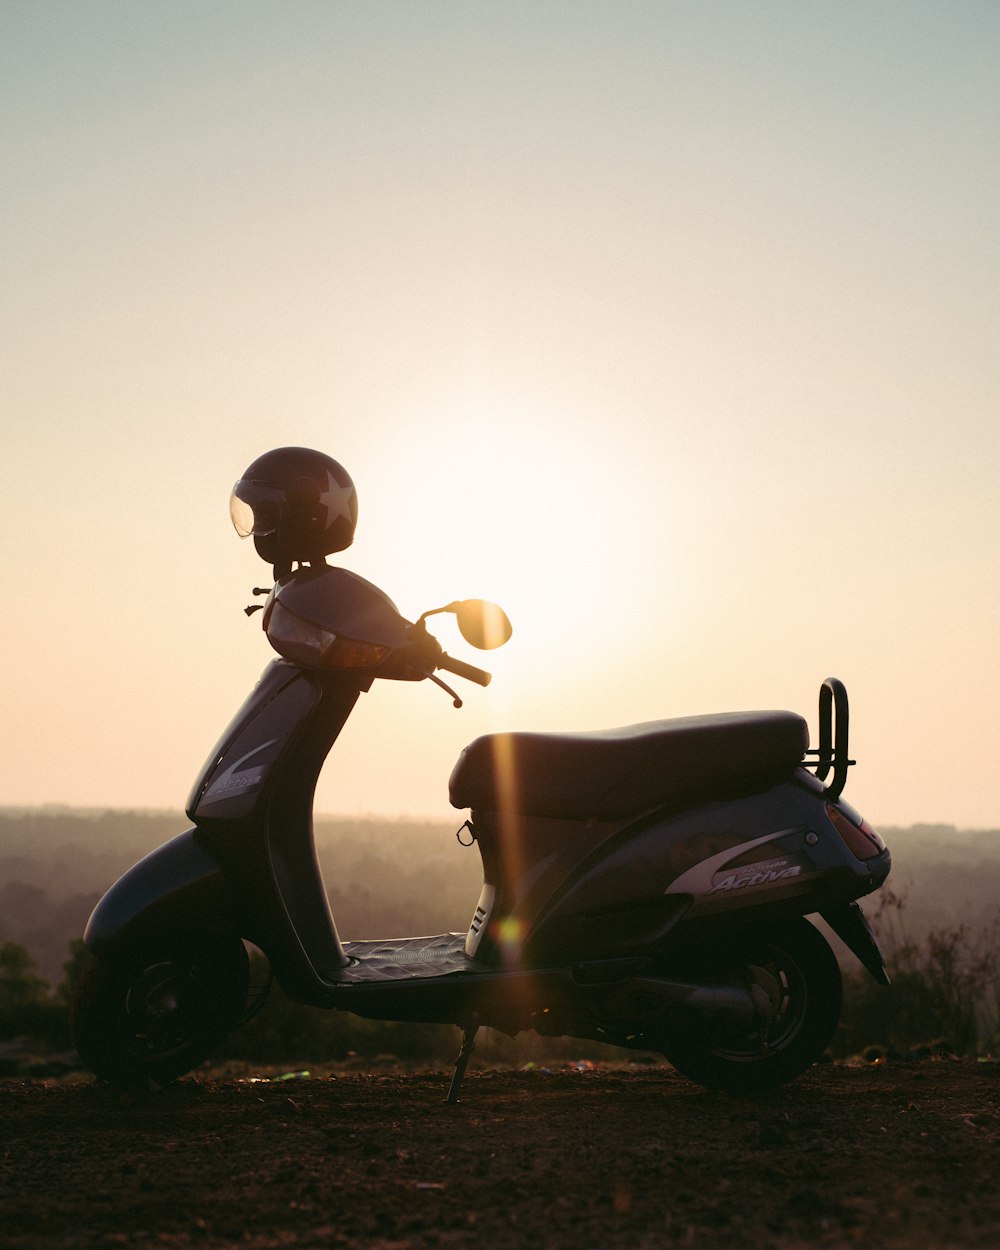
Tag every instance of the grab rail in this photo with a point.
(834, 726)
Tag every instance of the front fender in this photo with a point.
(178, 891)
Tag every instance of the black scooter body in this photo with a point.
(178, 887)
(624, 886)
(578, 914)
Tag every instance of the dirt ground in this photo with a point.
(905, 1154)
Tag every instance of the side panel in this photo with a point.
(178, 889)
(772, 853)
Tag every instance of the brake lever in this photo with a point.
(455, 700)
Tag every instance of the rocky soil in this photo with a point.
(890, 1155)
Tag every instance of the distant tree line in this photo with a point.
(945, 992)
(384, 878)
(390, 878)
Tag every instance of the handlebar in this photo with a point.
(461, 669)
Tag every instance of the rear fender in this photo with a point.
(178, 891)
(849, 923)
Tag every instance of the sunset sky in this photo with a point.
(671, 326)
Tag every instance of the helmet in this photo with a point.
(299, 505)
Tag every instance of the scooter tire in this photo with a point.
(792, 965)
(145, 1019)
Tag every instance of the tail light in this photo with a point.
(862, 840)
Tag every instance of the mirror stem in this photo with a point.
(448, 607)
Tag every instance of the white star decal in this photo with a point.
(336, 499)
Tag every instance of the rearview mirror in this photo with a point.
(482, 624)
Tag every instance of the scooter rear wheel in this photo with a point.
(795, 980)
(157, 1014)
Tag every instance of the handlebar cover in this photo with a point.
(461, 669)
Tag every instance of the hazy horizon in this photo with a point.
(670, 327)
(383, 820)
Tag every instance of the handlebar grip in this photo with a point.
(461, 669)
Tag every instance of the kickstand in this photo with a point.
(468, 1046)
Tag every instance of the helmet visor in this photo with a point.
(256, 508)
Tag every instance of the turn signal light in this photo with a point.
(348, 653)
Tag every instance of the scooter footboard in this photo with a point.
(179, 889)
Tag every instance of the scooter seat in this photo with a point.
(618, 772)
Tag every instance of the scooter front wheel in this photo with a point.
(795, 981)
(153, 1015)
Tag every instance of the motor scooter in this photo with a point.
(645, 886)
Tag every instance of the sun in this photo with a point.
(502, 507)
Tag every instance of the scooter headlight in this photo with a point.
(303, 642)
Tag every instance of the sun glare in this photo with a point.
(505, 510)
